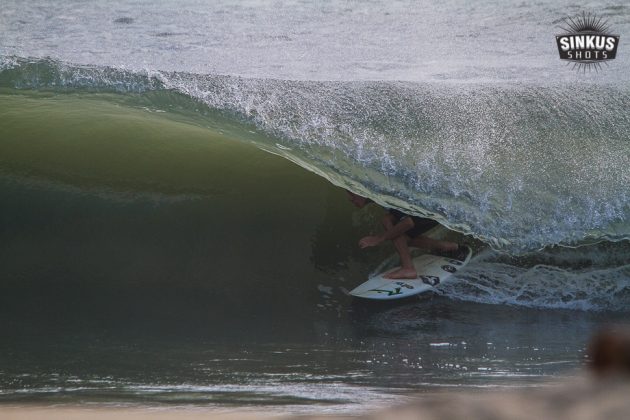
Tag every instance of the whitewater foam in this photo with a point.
(518, 166)
(594, 278)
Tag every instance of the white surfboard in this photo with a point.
(432, 270)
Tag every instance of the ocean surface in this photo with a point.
(174, 229)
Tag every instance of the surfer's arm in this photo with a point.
(391, 232)
(388, 221)
(398, 229)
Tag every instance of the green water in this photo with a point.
(94, 141)
(149, 258)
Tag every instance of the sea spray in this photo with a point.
(519, 166)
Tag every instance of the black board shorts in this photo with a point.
(420, 224)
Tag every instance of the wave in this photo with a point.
(518, 166)
(154, 186)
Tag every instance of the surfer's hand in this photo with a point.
(370, 241)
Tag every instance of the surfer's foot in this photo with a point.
(459, 254)
(402, 273)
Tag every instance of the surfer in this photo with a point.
(405, 231)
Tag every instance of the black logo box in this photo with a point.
(595, 53)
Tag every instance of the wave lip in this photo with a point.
(519, 166)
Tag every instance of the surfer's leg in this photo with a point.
(407, 270)
(433, 244)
